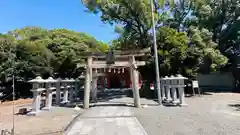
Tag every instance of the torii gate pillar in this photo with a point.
(135, 82)
(87, 83)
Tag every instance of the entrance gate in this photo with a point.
(97, 64)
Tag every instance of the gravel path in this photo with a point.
(216, 114)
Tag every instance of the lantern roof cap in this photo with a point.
(167, 78)
(59, 79)
(66, 80)
(38, 79)
(179, 76)
(51, 80)
(71, 80)
(81, 76)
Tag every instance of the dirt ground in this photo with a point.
(46, 123)
(17, 102)
(6, 108)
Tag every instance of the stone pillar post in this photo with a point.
(173, 89)
(167, 87)
(174, 95)
(182, 97)
(94, 85)
(65, 97)
(48, 96)
(77, 86)
(87, 83)
(102, 80)
(58, 92)
(162, 81)
(94, 89)
(65, 90)
(72, 87)
(135, 81)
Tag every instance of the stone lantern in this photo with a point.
(37, 88)
(58, 91)
(49, 87)
(180, 85)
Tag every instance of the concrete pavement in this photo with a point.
(106, 121)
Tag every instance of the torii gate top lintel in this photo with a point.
(119, 54)
(121, 58)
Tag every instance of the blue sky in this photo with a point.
(51, 14)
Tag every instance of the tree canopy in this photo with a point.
(186, 36)
(33, 51)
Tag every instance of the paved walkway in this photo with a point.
(107, 121)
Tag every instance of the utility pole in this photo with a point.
(156, 54)
(13, 87)
(17, 37)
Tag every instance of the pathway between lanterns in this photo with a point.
(106, 120)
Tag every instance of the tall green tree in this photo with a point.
(188, 55)
(33, 51)
(183, 45)
(222, 18)
(54, 52)
(133, 17)
(6, 57)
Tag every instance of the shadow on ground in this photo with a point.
(111, 104)
(22, 113)
(197, 95)
(105, 96)
(236, 106)
(218, 90)
(112, 98)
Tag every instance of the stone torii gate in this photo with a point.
(118, 59)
